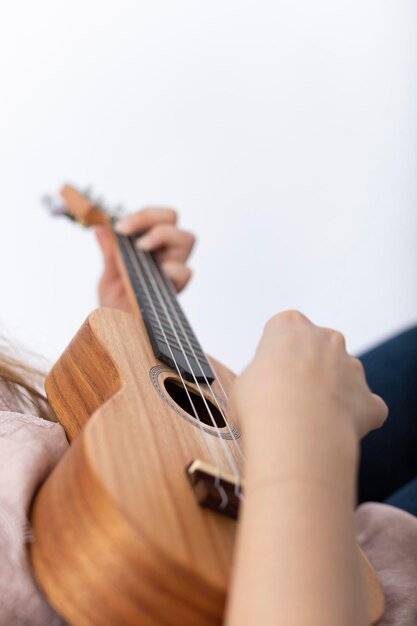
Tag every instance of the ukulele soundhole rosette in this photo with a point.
(160, 375)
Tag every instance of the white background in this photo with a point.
(283, 131)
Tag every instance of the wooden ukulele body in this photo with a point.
(119, 537)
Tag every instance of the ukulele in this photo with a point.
(136, 524)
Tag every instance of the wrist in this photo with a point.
(312, 417)
(290, 448)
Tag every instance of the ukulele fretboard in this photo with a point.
(172, 338)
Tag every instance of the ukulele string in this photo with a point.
(223, 392)
(237, 490)
(131, 251)
(167, 288)
(148, 265)
(226, 397)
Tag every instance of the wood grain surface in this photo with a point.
(120, 538)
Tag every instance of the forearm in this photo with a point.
(296, 561)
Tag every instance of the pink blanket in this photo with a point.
(29, 449)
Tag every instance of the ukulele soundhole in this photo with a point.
(211, 412)
(193, 403)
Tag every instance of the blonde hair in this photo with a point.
(25, 385)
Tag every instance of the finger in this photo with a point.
(378, 413)
(145, 219)
(104, 238)
(174, 244)
(106, 242)
(378, 410)
(381, 409)
(179, 273)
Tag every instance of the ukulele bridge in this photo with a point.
(215, 489)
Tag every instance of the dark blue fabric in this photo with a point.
(388, 467)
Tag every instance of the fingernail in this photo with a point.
(122, 226)
(144, 242)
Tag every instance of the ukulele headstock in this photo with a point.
(80, 207)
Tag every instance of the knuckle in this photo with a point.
(160, 233)
(284, 316)
(380, 411)
(170, 266)
(292, 315)
(171, 215)
(190, 238)
(384, 411)
(145, 212)
(157, 214)
(187, 275)
(357, 364)
(338, 338)
(158, 230)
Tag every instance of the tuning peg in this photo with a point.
(55, 206)
(99, 202)
(88, 192)
(118, 210)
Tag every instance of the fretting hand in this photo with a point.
(171, 245)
